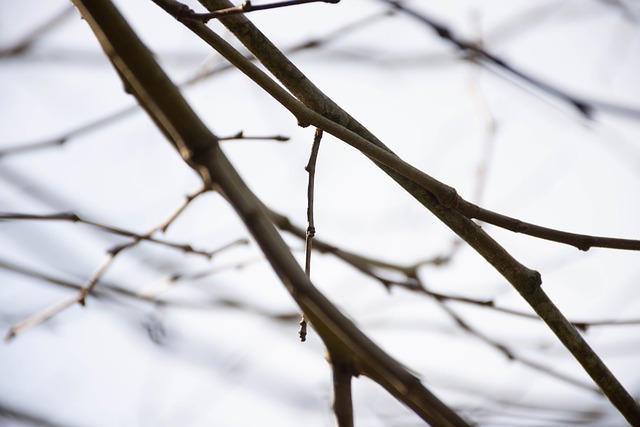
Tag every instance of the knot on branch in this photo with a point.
(449, 198)
(531, 284)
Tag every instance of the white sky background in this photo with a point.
(223, 366)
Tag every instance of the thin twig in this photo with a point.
(73, 217)
(110, 290)
(241, 135)
(247, 7)
(98, 273)
(511, 355)
(311, 226)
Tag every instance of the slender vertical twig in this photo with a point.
(311, 227)
(35, 34)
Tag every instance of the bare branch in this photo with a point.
(63, 139)
(584, 106)
(98, 123)
(109, 290)
(311, 226)
(100, 270)
(510, 354)
(181, 12)
(342, 400)
(72, 217)
(32, 37)
(241, 135)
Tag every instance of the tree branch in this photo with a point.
(311, 227)
(97, 274)
(583, 106)
(200, 149)
(342, 400)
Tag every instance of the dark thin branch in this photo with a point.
(584, 106)
(510, 354)
(28, 418)
(72, 217)
(311, 226)
(583, 242)
(182, 13)
(241, 135)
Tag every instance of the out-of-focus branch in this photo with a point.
(112, 291)
(585, 106)
(73, 217)
(245, 7)
(200, 149)
(100, 270)
(241, 136)
(28, 418)
(98, 123)
(32, 37)
(311, 226)
(67, 136)
(509, 353)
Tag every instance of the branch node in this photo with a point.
(302, 333)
